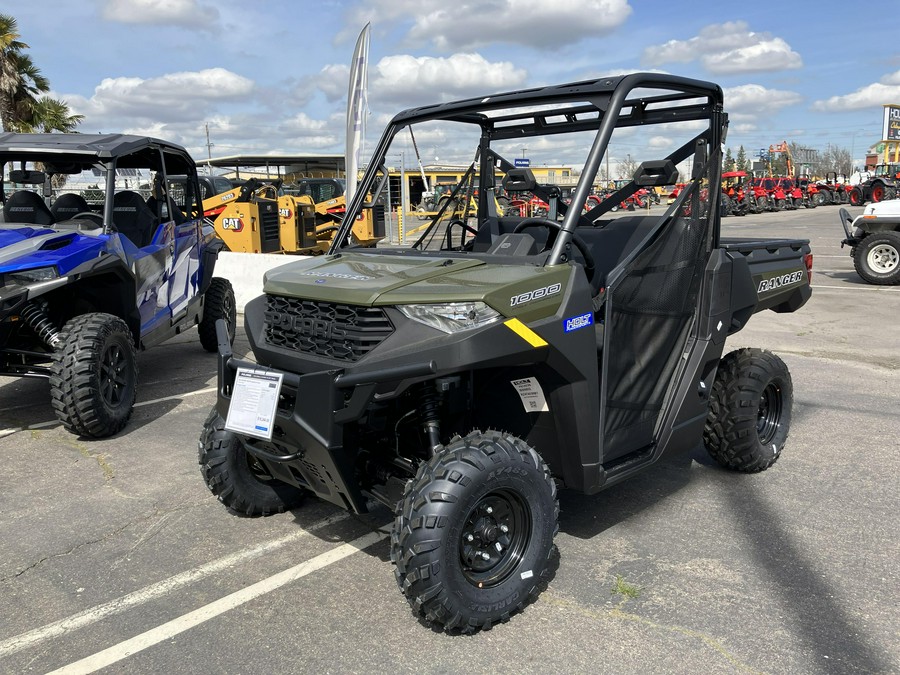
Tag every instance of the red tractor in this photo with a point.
(735, 200)
(882, 185)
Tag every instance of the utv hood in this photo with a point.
(27, 247)
(376, 279)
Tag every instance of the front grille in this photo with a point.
(341, 332)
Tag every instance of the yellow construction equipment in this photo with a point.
(260, 217)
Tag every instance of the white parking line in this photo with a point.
(154, 636)
(153, 591)
(870, 289)
(41, 425)
(169, 398)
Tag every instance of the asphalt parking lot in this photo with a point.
(114, 554)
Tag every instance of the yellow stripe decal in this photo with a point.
(525, 333)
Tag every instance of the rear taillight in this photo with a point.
(808, 261)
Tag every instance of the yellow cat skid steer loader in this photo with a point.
(326, 196)
(254, 218)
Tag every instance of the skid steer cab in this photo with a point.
(592, 337)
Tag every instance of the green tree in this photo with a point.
(52, 114)
(742, 164)
(10, 49)
(728, 162)
(21, 80)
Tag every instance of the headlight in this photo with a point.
(451, 317)
(32, 275)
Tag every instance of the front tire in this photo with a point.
(473, 537)
(93, 375)
(749, 411)
(877, 258)
(218, 303)
(237, 478)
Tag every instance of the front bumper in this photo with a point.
(307, 446)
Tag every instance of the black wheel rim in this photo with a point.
(113, 375)
(768, 420)
(495, 536)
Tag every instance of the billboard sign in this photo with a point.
(891, 128)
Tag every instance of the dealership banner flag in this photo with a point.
(356, 109)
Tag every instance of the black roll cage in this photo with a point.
(610, 106)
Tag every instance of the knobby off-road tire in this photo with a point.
(238, 479)
(877, 258)
(218, 303)
(473, 538)
(93, 375)
(749, 411)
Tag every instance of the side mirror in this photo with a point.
(519, 180)
(656, 173)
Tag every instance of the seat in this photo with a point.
(160, 210)
(27, 207)
(133, 218)
(68, 206)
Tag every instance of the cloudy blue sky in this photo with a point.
(271, 75)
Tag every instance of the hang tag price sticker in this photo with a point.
(529, 390)
(254, 400)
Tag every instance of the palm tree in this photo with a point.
(20, 79)
(10, 47)
(53, 114)
(31, 84)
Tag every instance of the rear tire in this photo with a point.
(749, 411)
(877, 258)
(218, 303)
(473, 537)
(93, 376)
(237, 478)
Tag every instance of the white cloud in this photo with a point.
(403, 80)
(473, 23)
(726, 49)
(886, 90)
(171, 97)
(750, 102)
(185, 13)
(426, 79)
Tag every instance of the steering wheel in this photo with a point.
(589, 267)
(90, 215)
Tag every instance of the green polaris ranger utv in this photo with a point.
(463, 377)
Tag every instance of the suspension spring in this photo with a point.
(35, 316)
(429, 415)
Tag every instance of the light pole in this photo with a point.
(523, 152)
